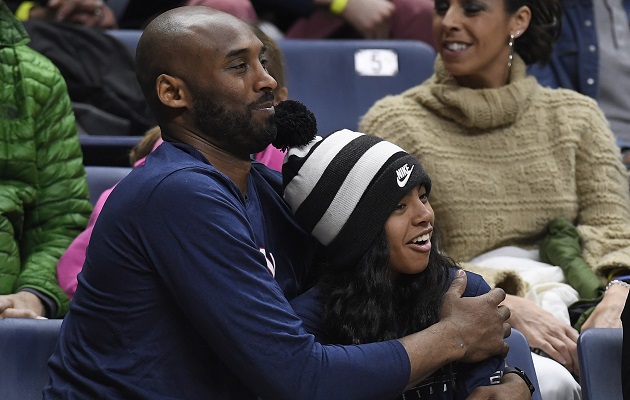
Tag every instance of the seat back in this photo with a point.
(25, 347)
(118, 7)
(128, 37)
(339, 80)
(599, 355)
(520, 356)
(107, 150)
(100, 179)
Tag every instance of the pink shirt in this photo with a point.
(271, 157)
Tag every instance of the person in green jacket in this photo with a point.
(44, 199)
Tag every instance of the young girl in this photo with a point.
(367, 202)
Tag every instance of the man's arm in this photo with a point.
(371, 18)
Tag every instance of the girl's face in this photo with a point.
(472, 37)
(408, 230)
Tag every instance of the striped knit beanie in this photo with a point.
(342, 189)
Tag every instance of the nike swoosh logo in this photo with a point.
(402, 183)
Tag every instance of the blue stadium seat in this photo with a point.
(520, 356)
(339, 80)
(129, 37)
(25, 347)
(599, 354)
(118, 7)
(100, 178)
(107, 150)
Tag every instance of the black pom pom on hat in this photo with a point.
(296, 125)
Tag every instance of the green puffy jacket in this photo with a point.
(44, 200)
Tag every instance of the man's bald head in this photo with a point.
(173, 40)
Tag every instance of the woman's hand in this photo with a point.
(544, 331)
(607, 313)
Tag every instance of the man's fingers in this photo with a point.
(66, 9)
(496, 296)
(505, 349)
(507, 330)
(504, 312)
(458, 286)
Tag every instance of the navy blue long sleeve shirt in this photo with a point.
(184, 295)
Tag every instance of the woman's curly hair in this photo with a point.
(536, 43)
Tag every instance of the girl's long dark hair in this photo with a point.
(364, 304)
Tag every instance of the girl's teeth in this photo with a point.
(422, 238)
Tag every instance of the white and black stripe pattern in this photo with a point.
(342, 189)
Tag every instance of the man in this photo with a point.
(185, 285)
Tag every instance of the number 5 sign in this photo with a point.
(376, 62)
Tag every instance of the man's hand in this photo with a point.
(480, 322)
(544, 331)
(512, 387)
(470, 329)
(607, 313)
(93, 13)
(21, 305)
(371, 18)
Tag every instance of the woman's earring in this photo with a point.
(511, 45)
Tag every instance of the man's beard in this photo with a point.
(232, 131)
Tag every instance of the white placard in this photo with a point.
(376, 62)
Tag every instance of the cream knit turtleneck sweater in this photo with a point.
(504, 162)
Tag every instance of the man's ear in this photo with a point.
(171, 91)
